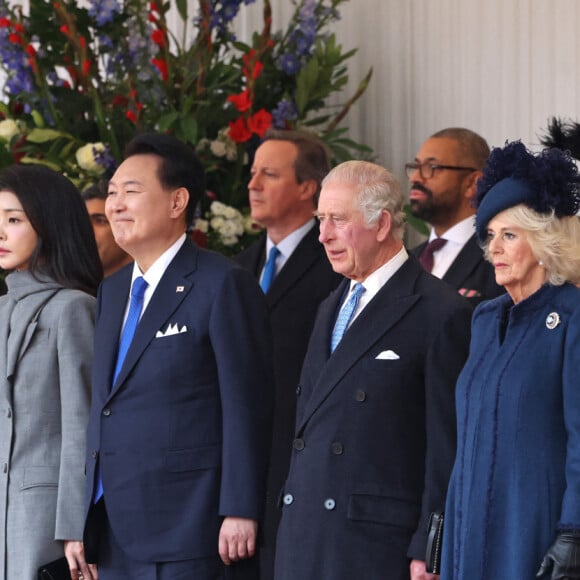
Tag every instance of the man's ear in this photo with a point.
(471, 182)
(384, 225)
(308, 189)
(179, 201)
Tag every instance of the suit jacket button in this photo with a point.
(106, 412)
(299, 444)
(329, 504)
(298, 390)
(94, 454)
(337, 448)
(360, 395)
(288, 499)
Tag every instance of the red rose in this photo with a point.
(158, 37)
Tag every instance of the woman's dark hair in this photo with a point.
(66, 249)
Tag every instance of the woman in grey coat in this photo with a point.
(46, 347)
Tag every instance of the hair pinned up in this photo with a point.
(545, 182)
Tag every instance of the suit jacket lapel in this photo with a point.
(301, 260)
(384, 311)
(464, 264)
(173, 287)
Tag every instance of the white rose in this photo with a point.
(86, 157)
(218, 148)
(251, 226)
(228, 229)
(217, 223)
(231, 152)
(217, 208)
(201, 225)
(229, 241)
(231, 212)
(8, 129)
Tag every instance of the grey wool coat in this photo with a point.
(46, 348)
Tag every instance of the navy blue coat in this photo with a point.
(183, 435)
(517, 473)
(375, 435)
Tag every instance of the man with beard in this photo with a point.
(444, 179)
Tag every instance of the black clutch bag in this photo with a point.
(56, 570)
(434, 542)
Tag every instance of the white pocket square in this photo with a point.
(388, 355)
(171, 330)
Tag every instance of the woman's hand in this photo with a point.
(75, 556)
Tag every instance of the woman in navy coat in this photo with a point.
(513, 505)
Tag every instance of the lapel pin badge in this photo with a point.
(180, 289)
(552, 320)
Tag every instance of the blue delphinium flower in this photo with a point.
(104, 11)
(302, 37)
(285, 111)
(105, 159)
(222, 13)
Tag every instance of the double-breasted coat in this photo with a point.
(375, 435)
(46, 349)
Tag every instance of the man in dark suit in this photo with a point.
(444, 178)
(375, 422)
(179, 429)
(286, 175)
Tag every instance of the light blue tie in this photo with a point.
(269, 269)
(345, 316)
(135, 308)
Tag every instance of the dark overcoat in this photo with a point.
(375, 436)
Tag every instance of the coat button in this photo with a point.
(94, 454)
(288, 499)
(298, 390)
(106, 412)
(299, 444)
(360, 395)
(329, 504)
(337, 448)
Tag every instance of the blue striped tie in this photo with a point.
(345, 316)
(135, 308)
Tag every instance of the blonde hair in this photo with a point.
(377, 191)
(554, 241)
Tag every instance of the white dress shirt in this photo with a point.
(456, 236)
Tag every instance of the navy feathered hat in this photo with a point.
(545, 182)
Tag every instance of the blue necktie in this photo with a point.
(269, 269)
(135, 308)
(345, 316)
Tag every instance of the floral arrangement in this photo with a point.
(82, 81)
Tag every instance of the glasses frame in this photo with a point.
(410, 168)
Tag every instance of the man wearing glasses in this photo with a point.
(443, 180)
